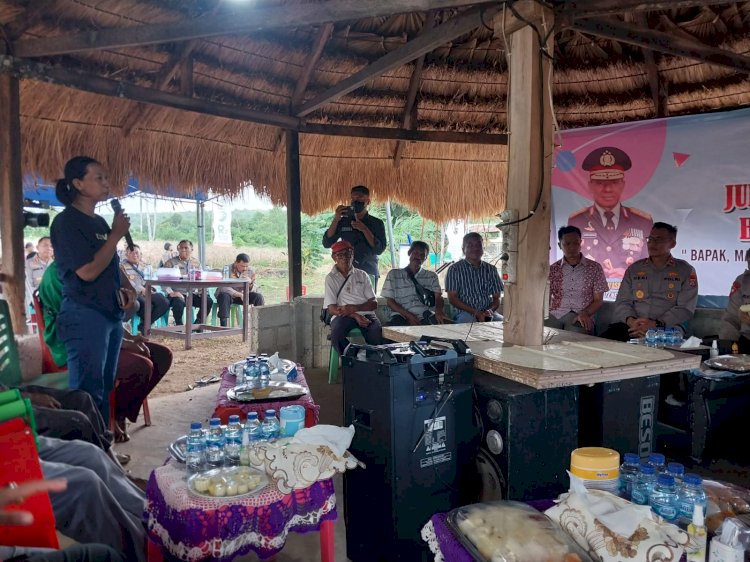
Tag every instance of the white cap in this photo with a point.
(698, 519)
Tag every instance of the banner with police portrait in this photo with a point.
(614, 182)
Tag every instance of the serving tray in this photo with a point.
(733, 363)
(279, 391)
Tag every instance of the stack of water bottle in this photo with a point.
(660, 337)
(256, 372)
(219, 447)
(666, 488)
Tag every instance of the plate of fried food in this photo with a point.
(227, 482)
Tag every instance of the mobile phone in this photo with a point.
(120, 298)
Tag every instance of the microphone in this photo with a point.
(117, 208)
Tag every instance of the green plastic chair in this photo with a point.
(10, 365)
(333, 358)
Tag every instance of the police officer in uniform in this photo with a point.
(735, 324)
(612, 234)
(660, 291)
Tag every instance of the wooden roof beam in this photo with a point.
(594, 8)
(656, 82)
(86, 82)
(241, 20)
(663, 42)
(420, 45)
(409, 116)
(162, 80)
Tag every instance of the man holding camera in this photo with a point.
(413, 293)
(364, 232)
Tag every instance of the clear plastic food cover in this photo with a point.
(507, 531)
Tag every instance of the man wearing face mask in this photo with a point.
(363, 231)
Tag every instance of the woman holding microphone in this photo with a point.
(90, 319)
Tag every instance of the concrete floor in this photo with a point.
(171, 416)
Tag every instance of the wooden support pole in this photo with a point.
(11, 202)
(294, 214)
(529, 171)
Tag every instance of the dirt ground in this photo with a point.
(207, 357)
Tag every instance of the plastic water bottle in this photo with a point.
(264, 372)
(225, 272)
(644, 484)
(195, 454)
(190, 271)
(677, 471)
(691, 493)
(651, 338)
(215, 444)
(233, 445)
(629, 474)
(658, 461)
(252, 428)
(147, 271)
(714, 352)
(660, 335)
(663, 498)
(269, 429)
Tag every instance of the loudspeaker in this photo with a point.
(414, 432)
(620, 415)
(527, 436)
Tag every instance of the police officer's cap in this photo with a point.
(607, 163)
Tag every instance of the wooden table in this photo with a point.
(566, 358)
(191, 331)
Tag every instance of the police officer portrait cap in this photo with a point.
(607, 163)
(361, 189)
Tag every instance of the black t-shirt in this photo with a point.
(365, 256)
(76, 237)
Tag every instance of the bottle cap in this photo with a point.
(196, 425)
(698, 519)
(215, 421)
(675, 468)
(234, 418)
(665, 480)
(692, 479)
(647, 469)
(656, 458)
(632, 458)
(252, 415)
(270, 412)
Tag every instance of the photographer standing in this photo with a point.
(363, 231)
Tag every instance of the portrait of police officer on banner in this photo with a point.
(612, 234)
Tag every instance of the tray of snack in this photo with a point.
(227, 482)
(507, 531)
(735, 363)
(275, 391)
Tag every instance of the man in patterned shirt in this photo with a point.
(576, 286)
(474, 286)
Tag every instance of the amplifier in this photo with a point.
(527, 436)
(411, 406)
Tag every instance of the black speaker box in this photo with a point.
(527, 436)
(414, 432)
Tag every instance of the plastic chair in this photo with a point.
(333, 358)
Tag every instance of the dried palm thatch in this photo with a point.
(462, 86)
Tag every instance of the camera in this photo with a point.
(32, 216)
(35, 219)
(350, 212)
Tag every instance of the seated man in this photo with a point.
(350, 299)
(413, 293)
(226, 296)
(474, 286)
(36, 264)
(184, 262)
(131, 268)
(656, 292)
(576, 286)
(735, 323)
(101, 504)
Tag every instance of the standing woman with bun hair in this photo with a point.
(90, 319)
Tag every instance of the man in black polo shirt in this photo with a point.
(474, 286)
(364, 232)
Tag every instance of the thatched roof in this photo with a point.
(460, 86)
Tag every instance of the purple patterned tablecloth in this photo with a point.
(195, 528)
(450, 547)
(226, 407)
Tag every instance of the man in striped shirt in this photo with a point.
(474, 286)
